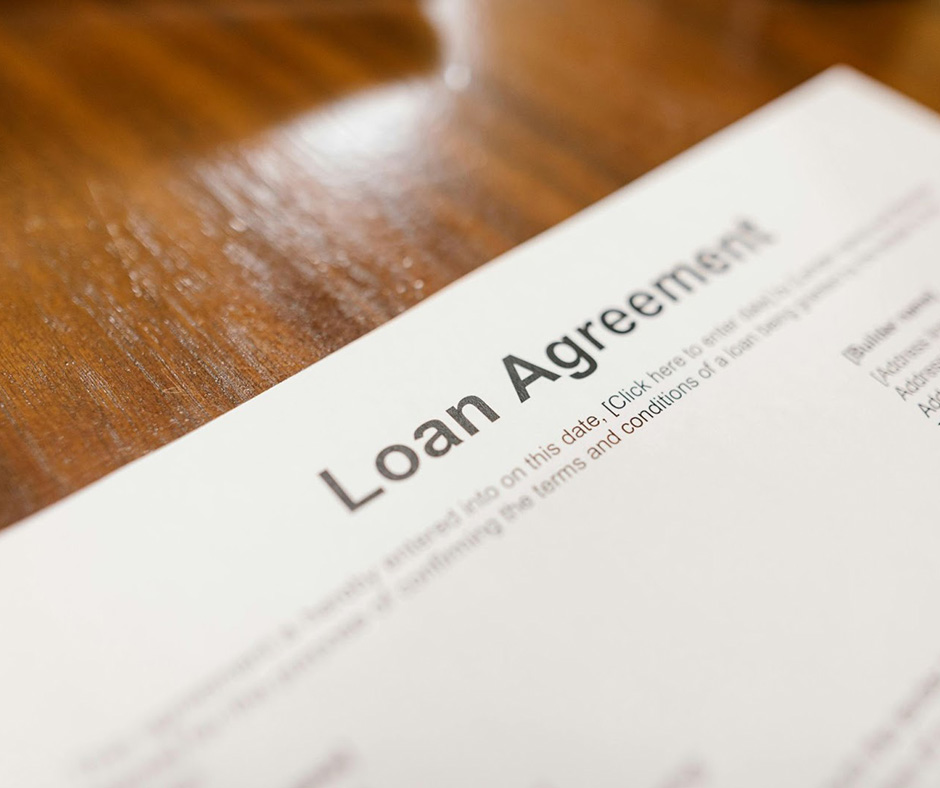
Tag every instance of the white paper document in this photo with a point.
(652, 501)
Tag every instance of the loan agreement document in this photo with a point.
(651, 501)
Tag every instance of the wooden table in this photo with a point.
(200, 199)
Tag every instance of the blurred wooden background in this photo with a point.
(201, 197)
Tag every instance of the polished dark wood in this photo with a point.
(200, 198)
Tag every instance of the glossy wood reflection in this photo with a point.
(201, 198)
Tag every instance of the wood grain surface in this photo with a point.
(201, 198)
